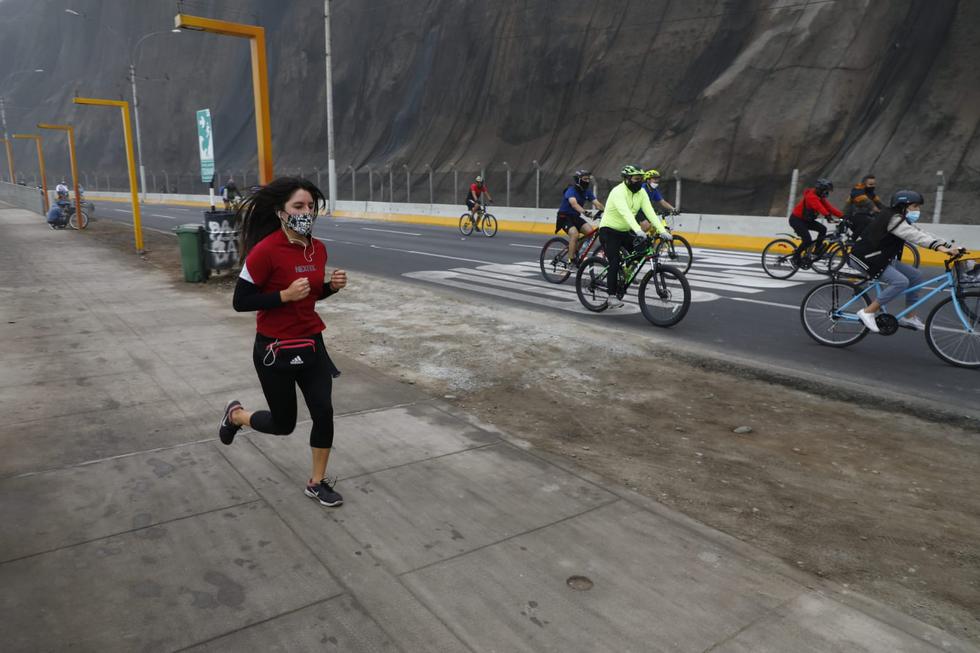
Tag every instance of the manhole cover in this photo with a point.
(579, 583)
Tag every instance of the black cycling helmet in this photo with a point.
(577, 177)
(824, 185)
(903, 198)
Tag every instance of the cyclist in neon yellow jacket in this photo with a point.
(618, 225)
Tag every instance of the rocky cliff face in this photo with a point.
(733, 94)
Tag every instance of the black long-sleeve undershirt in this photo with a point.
(248, 297)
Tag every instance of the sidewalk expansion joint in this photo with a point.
(85, 463)
(258, 499)
(510, 537)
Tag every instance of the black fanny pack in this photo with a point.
(291, 354)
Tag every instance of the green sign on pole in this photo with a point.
(205, 144)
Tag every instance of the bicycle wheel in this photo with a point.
(554, 260)
(777, 259)
(489, 226)
(952, 337)
(465, 224)
(836, 258)
(823, 264)
(824, 321)
(677, 254)
(665, 296)
(910, 255)
(74, 222)
(590, 283)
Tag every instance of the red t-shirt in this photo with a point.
(272, 265)
(477, 189)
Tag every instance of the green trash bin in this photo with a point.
(190, 238)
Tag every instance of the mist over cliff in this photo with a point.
(733, 94)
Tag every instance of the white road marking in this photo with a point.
(160, 215)
(121, 210)
(520, 245)
(391, 231)
(412, 251)
(760, 301)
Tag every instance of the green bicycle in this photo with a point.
(664, 294)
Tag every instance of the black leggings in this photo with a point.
(612, 242)
(279, 387)
(803, 228)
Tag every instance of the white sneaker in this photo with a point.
(869, 320)
(912, 322)
(613, 302)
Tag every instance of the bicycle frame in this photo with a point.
(947, 282)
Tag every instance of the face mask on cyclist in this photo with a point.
(654, 183)
(301, 223)
(584, 183)
(634, 186)
(913, 216)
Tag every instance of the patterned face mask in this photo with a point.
(301, 223)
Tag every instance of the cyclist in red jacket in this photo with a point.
(803, 219)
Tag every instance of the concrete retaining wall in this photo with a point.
(750, 232)
(23, 197)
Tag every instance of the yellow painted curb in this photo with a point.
(721, 241)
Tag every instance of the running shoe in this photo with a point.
(227, 429)
(912, 322)
(324, 493)
(869, 320)
(614, 302)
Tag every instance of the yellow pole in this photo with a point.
(74, 166)
(130, 159)
(40, 165)
(10, 160)
(260, 79)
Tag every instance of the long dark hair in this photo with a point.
(257, 214)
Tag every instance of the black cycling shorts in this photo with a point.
(565, 221)
(470, 203)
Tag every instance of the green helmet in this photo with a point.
(652, 173)
(630, 170)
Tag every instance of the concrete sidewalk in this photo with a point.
(128, 527)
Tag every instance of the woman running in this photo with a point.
(282, 278)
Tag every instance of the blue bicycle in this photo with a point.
(829, 312)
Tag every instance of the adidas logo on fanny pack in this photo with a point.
(296, 361)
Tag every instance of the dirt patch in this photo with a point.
(885, 504)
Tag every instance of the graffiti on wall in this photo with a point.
(222, 243)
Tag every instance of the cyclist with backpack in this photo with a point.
(572, 213)
(803, 219)
(879, 246)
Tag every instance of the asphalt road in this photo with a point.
(736, 308)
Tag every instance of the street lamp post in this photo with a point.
(74, 166)
(331, 164)
(507, 166)
(537, 184)
(40, 165)
(136, 104)
(260, 79)
(391, 185)
(128, 138)
(353, 185)
(370, 184)
(429, 169)
(408, 184)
